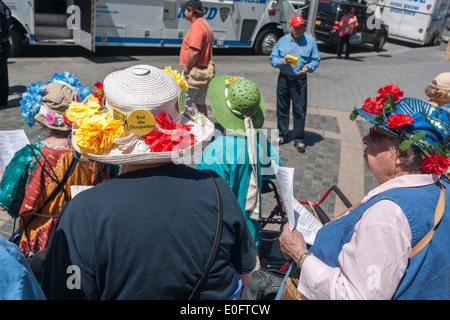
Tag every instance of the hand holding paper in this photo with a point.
(298, 217)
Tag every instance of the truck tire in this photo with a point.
(16, 42)
(379, 44)
(266, 40)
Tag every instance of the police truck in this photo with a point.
(416, 21)
(255, 24)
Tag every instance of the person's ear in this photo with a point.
(403, 155)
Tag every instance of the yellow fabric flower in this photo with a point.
(180, 79)
(98, 133)
(227, 82)
(78, 112)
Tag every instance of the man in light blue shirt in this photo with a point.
(295, 55)
(17, 281)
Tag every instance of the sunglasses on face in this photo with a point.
(374, 133)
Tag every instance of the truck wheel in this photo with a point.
(266, 40)
(379, 44)
(16, 42)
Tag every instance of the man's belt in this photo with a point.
(292, 77)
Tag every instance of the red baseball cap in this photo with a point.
(296, 21)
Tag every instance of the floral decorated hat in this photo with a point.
(137, 117)
(233, 99)
(47, 103)
(415, 121)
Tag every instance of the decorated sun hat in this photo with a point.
(142, 119)
(233, 99)
(414, 121)
(239, 107)
(47, 103)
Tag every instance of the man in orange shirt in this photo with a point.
(195, 50)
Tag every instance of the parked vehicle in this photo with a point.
(330, 12)
(256, 24)
(419, 21)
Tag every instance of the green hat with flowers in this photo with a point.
(416, 122)
(234, 99)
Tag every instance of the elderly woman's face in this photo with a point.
(380, 154)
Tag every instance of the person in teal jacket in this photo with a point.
(243, 155)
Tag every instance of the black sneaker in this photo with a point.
(281, 141)
(300, 147)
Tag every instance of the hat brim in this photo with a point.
(42, 120)
(120, 154)
(223, 114)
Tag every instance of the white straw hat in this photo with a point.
(146, 89)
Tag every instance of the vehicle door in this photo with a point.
(84, 23)
(325, 19)
(368, 35)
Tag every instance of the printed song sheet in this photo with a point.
(11, 141)
(298, 217)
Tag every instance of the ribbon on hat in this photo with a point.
(52, 117)
(252, 202)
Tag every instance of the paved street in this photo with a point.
(334, 149)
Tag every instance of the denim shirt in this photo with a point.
(305, 48)
(17, 281)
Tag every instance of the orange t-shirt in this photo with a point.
(197, 37)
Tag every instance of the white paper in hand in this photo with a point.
(299, 218)
(11, 141)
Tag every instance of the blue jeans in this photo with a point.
(295, 91)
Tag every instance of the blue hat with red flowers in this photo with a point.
(415, 121)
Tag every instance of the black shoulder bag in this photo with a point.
(215, 248)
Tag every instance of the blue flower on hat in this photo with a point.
(30, 103)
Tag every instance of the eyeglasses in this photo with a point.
(374, 133)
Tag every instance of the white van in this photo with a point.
(416, 21)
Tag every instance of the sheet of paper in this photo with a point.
(299, 218)
(76, 189)
(11, 141)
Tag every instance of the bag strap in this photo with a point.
(216, 239)
(61, 183)
(439, 212)
(210, 40)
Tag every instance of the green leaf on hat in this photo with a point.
(379, 117)
(419, 136)
(354, 114)
(405, 144)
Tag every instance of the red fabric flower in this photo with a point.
(435, 164)
(67, 121)
(398, 119)
(389, 88)
(372, 106)
(99, 85)
(177, 138)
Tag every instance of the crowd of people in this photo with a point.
(199, 226)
